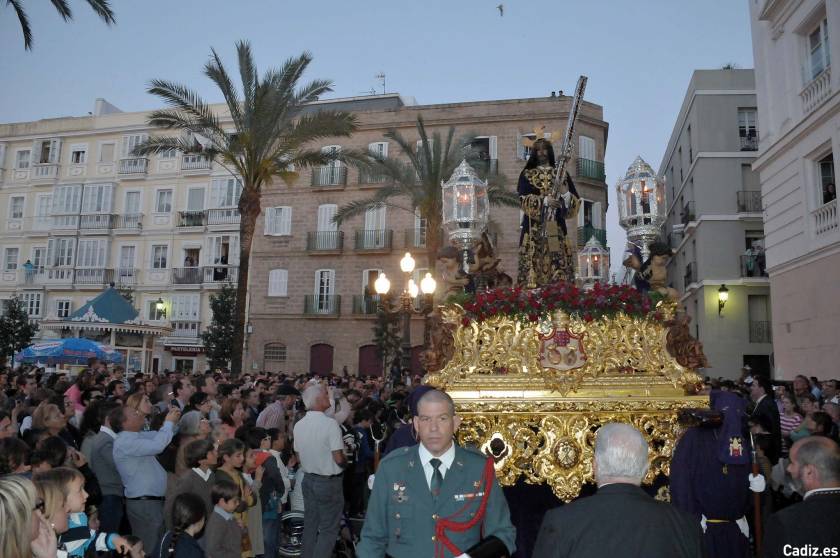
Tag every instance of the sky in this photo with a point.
(638, 55)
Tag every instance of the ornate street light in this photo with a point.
(641, 205)
(723, 296)
(593, 263)
(466, 208)
(160, 306)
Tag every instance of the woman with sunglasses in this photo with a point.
(25, 531)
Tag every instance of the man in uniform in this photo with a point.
(436, 499)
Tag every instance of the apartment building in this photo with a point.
(794, 43)
(714, 220)
(312, 301)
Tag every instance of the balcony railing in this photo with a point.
(127, 276)
(374, 240)
(690, 275)
(749, 201)
(588, 168)
(760, 332)
(817, 90)
(485, 168)
(329, 175)
(186, 330)
(45, 170)
(371, 177)
(687, 215)
(365, 304)
(221, 273)
(130, 221)
(329, 241)
(65, 222)
(825, 218)
(97, 221)
(98, 276)
(225, 216)
(586, 232)
(753, 265)
(415, 238)
(31, 277)
(59, 276)
(192, 218)
(134, 165)
(194, 162)
(322, 305)
(187, 275)
(749, 142)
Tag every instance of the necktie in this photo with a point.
(437, 477)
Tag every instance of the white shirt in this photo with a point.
(108, 431)
(446, 462)
(205, 475)
(316, 437)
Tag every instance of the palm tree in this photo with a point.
(270, 138)
(415, 185)
(101, 7)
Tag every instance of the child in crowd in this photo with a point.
(231, 460)
(188, 516)
(224, 535)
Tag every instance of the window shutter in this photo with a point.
(126, 146)
(89, 198)
(278, 282)
(35, 156)
(270, 221)
(596, 215)
(580, 214)
(494, 147)
(234, 250)
(107, 197)
(325, 218)
(217, 190)
(285, 216)
(2, 155)
(55, 151)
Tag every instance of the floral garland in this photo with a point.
(528, 305)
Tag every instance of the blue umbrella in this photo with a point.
(72, 350)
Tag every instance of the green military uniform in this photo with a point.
(402, 512)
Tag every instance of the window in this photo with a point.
(818, 50)
(78, 154)
(163, 201)
(827, 181)
(47, 151)
(92, 254)
(126, 263)
(690, 149)
(60, 252)
(62, 308)
(97, 198)
(129, 142)
(186, 307)
(160, 255)
(106, 152)
(747, 130)
(278, 280)
(274, 352)
(369, 277)
(152, 312)
(379, 149)
(22, 159)
(278, 221)
(586, 148)
(32, 304)
(324, 285)
(524, 150)
(10, 259)
(168, 154)
(16, 207)
(225, 192)
(679, 158)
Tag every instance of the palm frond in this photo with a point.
(159, 144)
(24, 22)
(182, 98)
(63, 9)
(322, 124)
(103, 10)
(248, 75)
(215, 70)
(500, 196)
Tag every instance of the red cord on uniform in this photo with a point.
(449, 524)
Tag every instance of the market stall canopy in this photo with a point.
(72, 350)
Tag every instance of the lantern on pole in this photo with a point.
(641, 205)
(466, 208)
(593, 263)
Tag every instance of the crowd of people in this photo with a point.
(205, 464)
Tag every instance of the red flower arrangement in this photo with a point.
(528, 305)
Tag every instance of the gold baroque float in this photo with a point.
(532, 395)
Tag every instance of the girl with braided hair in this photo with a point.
(188, 516)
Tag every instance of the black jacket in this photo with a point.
(185, 547)
(770, 412)
(812, 522)
(619, 520)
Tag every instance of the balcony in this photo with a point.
(415, 238)
(687, 215)
(187, 275)
(226, 216)
(825, 218)
(98, 276)
(186, 330)
(192, 219)
(753, 265)
(322, 305)
(34, 277)
(42, 171)
(760, 332)
(129, 222)
(749, 201)
(485, 168)
(749, 142)
(194, 162)
(586, 232)
(58, 276)
(587, 168)
(102, 222)
(134, 165)
(324, 241)
(65, 222)
(329, 175)
(221, 274)
(125, 276)
(374, 240)
(365, 305)
(816, 91)
(690, 275)
(371, 177)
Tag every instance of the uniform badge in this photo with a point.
(399, 493)
(735, 446)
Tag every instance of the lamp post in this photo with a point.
(427, 285)
(723, 296)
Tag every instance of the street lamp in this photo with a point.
(160, 306)
(382, 285)
(723, 296)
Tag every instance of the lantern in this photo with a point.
(466, 208)
(593, 263)
(641, 205)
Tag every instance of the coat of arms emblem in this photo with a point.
(562, 350)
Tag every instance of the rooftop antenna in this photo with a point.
(370, 91)
(381, 76)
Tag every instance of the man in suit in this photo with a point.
(427, 499)
(620, 519)
(811, 524)
(100, 457)
(761, 392)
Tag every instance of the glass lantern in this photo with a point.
(593, 263)
(466, 209)
(641, 204)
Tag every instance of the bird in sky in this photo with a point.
(501, 8)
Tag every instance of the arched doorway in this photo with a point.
(321, 359)
(369, 362)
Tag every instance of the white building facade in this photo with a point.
(794, 44)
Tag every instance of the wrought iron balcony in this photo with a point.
(374, 240)
(687, 215)
(224, 216)
(129, 221)
(749, 142)
(322, 305)
(329, 175)
(221, 274)
(192, 218)
(127, 276)
(186, 330)
(690, 275)
(325, 241)
(753, 265)
(586, 232)
(371, 177)
(134, 165)
(749, 201)
(98, 276)
(195, 162)
(97, 221)
(366, 305)
(187, 275)
(760, 332)
(588, 168)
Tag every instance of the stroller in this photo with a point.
(290, 540)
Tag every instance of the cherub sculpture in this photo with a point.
(652, 274)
